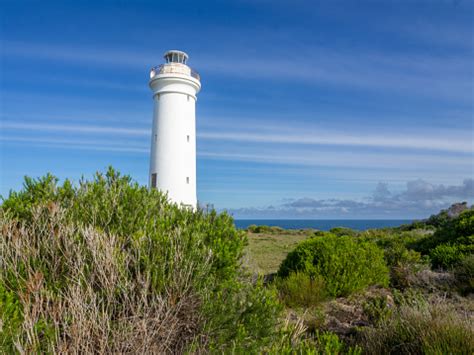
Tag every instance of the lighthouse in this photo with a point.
(173, 139)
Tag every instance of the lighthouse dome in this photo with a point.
(175, 56)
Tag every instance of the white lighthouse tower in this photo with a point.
(173, 139)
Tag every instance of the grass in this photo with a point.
(419, 327)
(266, 251)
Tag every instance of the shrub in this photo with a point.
(340, 231)
(240, 318)
(414, 226)
(464, 224)
(265, 229)
(345, 264)
(403, 263)
(301, 290)
(439, 220)
(464, 274)
(253, 228)
(396, 254)
(292, 341)
(377, 309)
(329, 343)
(446, 255)
(394, 238)
(454, 231)
(417, 327)
(109, 266)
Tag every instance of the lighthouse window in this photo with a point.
(188, 97)
(156, 137)
(187, 180)
(187, 138)
(153, 180)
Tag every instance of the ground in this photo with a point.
(266, 251)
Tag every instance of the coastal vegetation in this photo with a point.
(108, 266)
(427, 305)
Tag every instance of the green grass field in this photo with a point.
(266, 251)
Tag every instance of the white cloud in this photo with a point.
(418, 200)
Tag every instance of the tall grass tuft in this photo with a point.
(418, 327)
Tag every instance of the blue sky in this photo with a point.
(328, 109)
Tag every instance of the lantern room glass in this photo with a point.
(176, 57)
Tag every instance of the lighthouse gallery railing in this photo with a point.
(175, 69)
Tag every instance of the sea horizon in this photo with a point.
(321, 224)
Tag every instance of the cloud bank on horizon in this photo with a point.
(419, 200)
(305, 110)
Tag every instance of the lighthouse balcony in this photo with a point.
(174, 68)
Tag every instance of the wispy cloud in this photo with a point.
(77, 144)
(452, 35)
(76, 54)
(454, 141)
(348, 159)
(445, 76)
(413, 74)
(403, 156)
(289, 157)
(441, 143)
(76, 128)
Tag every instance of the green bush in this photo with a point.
(109, 266)
(394, 238)
(453, 231)
(319, 343)
(340, 231)
(464, 274)
(329, 343)
(301, 290)
(446, 255)
(464, 224)
(345, 264)
(377, 309)
(397, 254)
(241, 318)
(252, 228)
(402, 262)
(421, 225)
(265, 229)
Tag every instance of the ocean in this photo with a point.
(323, 224)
